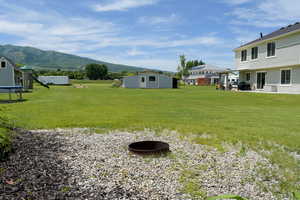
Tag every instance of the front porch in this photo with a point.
(285, 80)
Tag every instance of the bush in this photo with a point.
(5, 143)
(117, 84)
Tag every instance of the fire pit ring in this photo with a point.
(149, 147)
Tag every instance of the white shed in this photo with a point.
(149, 80)
(9, 74)
(54, 80)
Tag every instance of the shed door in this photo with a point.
(153, 81)
(143, 81)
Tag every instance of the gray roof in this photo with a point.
(11, 62)
(281, 31)
(208, 67)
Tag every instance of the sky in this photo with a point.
(144, 33)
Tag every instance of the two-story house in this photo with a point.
(272, 62)
(204, 75)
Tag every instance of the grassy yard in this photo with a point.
(259, 121)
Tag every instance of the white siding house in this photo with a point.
(272, 62)
(203, 75)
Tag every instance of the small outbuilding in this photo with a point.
(27, 77)
(10, 75)
(150, 80)
(54, 80)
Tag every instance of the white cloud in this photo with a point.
(123, 5)
(20, 29)
(280, 9)
(173, 18)
(67, 35)
(202, 40)
(135, 52)
(161, 43)
(236, 2)
(243, 35)
(257, 23)
(93, 37)
(268, 13)
(52, 31)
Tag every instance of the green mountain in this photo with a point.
(40, 59)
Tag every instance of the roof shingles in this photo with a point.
(281, 31)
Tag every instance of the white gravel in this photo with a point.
(102, 166)
(105, 161)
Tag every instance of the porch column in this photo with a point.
(227, 81)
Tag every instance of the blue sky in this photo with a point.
(148, 33)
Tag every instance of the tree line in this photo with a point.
(92, 71)
(82, 74)
(95, 71)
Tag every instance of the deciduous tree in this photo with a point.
(96, 71)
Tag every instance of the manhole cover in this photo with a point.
(149, 147)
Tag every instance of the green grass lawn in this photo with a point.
(257, 120)
(230, 116)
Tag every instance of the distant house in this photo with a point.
(149, 80)
(10, 75)
(203, 75)
(271, 63)
(54, 80)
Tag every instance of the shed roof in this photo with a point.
(279, 32)
(11, 62)
(26, 67)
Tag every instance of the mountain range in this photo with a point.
(53, 60)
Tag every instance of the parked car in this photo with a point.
(234, 85)
(244, 86)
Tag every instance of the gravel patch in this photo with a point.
(79, 164)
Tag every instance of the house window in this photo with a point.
(143, 79)
(285, 76)
(254, 53)
(244, 55)
(248, 76)
(152, 78)
(271, 49)
(3, 64)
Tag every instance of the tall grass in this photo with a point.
(5, 135)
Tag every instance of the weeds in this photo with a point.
(226, 196)
(5, 135)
